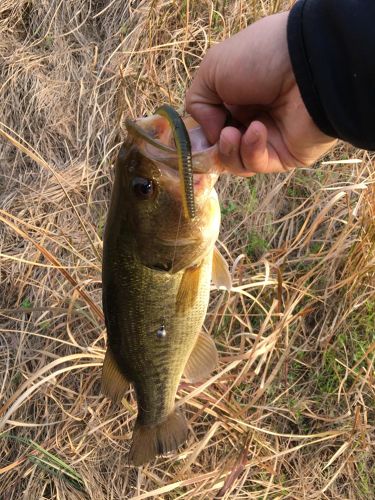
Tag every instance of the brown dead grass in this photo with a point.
(290, 412)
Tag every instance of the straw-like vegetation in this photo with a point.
(290, 411)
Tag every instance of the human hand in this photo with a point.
(250, 75)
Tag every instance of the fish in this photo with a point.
(159, 257)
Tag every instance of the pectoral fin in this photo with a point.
(114, 383)
(188, 289)
(203, 359)
(220, 271)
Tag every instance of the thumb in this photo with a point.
(252, 152)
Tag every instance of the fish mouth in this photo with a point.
(155, 141)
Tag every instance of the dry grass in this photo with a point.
(290, 413)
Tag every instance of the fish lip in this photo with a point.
(179, 242)
(199, 154)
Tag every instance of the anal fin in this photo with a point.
(114, 383)
(203, 359)
(220, 271)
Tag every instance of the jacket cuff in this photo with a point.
(302, 69)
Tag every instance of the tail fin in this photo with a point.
(150, 441)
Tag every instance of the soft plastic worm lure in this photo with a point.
(183, 147)
(185, 164)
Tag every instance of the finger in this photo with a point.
(229, 143)
(204, 104)
(253, 148)
(211, 118)
(243, 114)
(257, 153)
(251, 152)
(229, 152)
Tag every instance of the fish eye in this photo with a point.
(143, 188)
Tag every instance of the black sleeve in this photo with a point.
(332, 49)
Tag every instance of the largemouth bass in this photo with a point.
(157, 266)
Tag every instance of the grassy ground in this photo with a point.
(290, 412)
